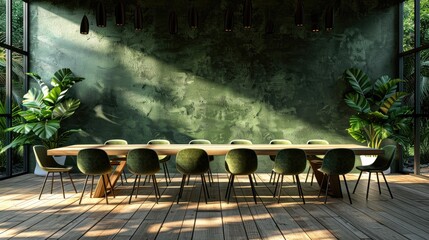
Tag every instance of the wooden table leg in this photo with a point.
(335, 186)
(116, 174)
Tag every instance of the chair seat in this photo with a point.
(163, 158)
(370, 168)
(58, 169)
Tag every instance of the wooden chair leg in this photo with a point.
(132, 191)
(83, 190)
(105, 190)
(43, 186)
(357, 182)
(388, 188)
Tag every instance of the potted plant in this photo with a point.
(379, 112)
(44, 109)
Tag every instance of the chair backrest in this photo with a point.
(43, 159)
(240, 141)
(241, 161)
(316, 141)
(290, 161)
(338, 161)
(278, 141)
(158, 141)
(192, 161)
(200, 141)
(383, 162)
(143, 161)
(116, 142)
(93, 161)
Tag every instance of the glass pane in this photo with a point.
(424, 104)
(3, 160)
(408, 25)
(17, 24)
(2, 21)
(424, 22)
(18, 77)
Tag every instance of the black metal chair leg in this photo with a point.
(182, 184)
(271, 176)
(62, 184)
(189, 177)
(132, 191)
(327, 187)
(156, 184)
(231, 187)
(378, 183)
(298, 182)
(52, 182)
(111, 186)
(347, 188)
(145, 179)
(228, 186)
(138, 185)
(308, 173)
(254, 177)
(168, 172)
(357, 182)
(155, 187)
(203, 188)
(253, 188)
(277, 184)
(367, 188)
(388, 188)
(43, 186)
(83, 190)
(71, 180)
(312, 178)
(206, 187)
(321, 185)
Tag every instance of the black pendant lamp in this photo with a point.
(100, 15)
(229, 20)
(84, 25)
(138, 18)
(299, 14)
(120, 14)
(247, 14)
(172, 23)
(193, 18)
(329, 19)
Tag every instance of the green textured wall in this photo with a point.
(209, 83)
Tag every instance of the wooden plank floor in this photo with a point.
(406, 216)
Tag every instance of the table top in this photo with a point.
(215, 149)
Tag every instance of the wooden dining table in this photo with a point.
(216, 149)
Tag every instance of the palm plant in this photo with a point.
(44, 109)
(380, 113)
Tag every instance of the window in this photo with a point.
(13, 81)
(414, 69)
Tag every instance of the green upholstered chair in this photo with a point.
(48, 164)
(240, 161)
(290, 162)
(273, 157)
(163, 159)
(142, 161)
(337, 162)
(92, 162)
(114, 160)
(314, 158)
(192, 161)
(381, 163)
(211, 158)
(244, 142)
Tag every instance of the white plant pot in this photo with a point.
(367, 159)
(38, 171)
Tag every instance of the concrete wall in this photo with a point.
(209, 83)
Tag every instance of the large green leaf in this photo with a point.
(357, 134)
(390, 102)
(54, 96)
(357, 123)
(65, 109)
(19, 141)
(47, 129)
(359, 81)
(64, 78)
(357, 102)
(33, 99)
(24, 128)
(384, 87)
(43, 86)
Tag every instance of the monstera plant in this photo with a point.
(44, 109)
(379, 112)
